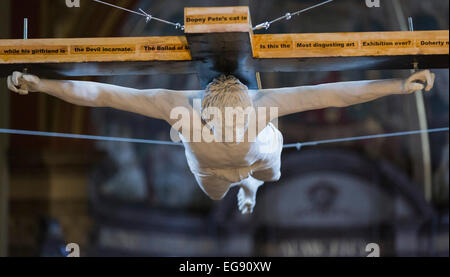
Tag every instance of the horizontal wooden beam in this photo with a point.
(79, 50)
(214, 53)
(277, 46)
(220, 38)
(351, 44)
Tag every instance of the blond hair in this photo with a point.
(227, 92)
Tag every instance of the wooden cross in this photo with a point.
(220, 40)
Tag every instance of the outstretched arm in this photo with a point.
(156, 103)
(298, 99)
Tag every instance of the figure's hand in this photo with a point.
(23, 83)
(419, 81)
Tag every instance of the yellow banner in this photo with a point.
(432, 43)
(103, 49)
(326, 45)
(152, 48)
(397, 43)
(275, 46)
(216, 19)
(33, 50)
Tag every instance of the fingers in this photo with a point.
(30, 78)
(416, 87)
(423, 80)
(430, 81)
(10, 84)
(15, 78)
(419, 76)
(14, 83)
(427, 78)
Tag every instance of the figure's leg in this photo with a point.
(250, 186)
(247, 194)
(271, 174)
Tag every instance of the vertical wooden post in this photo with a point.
(422, 173)
(220, 37)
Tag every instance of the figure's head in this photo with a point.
(232, 100)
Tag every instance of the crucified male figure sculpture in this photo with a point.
(218, 165)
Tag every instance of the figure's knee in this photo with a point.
(215, 194)
(215, 188)
(216, 197)
(276, 177)
(268, 175)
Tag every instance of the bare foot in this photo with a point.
(247, 195)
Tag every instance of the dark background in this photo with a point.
(140, 200)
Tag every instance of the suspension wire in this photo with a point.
(298, 145)
(148, 17)
(86, 137)
(288, 16)
(266, 25)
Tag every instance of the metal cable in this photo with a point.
(297, 145)
(288, 16)
(148, 17)
(87, 137)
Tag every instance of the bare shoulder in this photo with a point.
(170, 91)
(173, 95)
(255, 94)
(192, 94)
